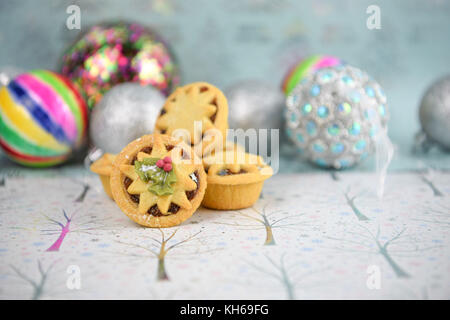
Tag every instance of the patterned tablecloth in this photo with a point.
(310, 236)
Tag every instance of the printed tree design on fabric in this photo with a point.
(82, 195)
(403, 244)
(64, 231)
(334, 176)
(437, 214)
(159, 249)
(38, 286)
(430, 183)
(89, 224)
(7, 174)
(287, 276)
(267, 220)
(351, 202)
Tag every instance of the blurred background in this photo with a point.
(224, 41)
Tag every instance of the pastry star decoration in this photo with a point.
(233, 161)
(190, 105)
(148, 199)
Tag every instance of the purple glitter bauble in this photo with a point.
(108, 54)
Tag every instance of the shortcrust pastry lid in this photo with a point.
(236, 167)
(136, 199)
(198, 101)
(103, 166)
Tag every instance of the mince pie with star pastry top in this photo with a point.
(103, 168)
(198, 102)
(235, 179)
(157, 181)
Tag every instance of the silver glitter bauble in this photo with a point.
(254, 104)
(334, 115)
(434, 115)
(126, 112)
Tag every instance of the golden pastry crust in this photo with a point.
(198, 101)
(103, 168)
(103, 165)
(235, 180)
(236, 167)
(232, 197)
(228, 146)
(145, 207)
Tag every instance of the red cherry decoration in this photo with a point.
(160, 163)
(167, 167)
(167, 159)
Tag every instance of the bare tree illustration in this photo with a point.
(399, 244)
(428, 181)
(65, 229)
(7, 174)
(38, 285)
(160, 247)
(262, 219)
(284, 274)
(334, 176)
(438, 214)
(84, 192)
(351, 202)
(82, 224)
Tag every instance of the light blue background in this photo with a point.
(223, 41)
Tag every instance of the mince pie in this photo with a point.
(201, 110)
(103, 168)
(235, 179)
(228, 146)
(158, 181)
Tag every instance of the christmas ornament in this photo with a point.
(434, 116)
(113, 53)
(254, 104)
(335, 115)
(125, 113)
(42, 119)
(305, 67)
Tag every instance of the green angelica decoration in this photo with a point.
(160, 180)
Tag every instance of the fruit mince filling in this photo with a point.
(228, 172)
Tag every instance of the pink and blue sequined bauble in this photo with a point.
(113, 53)
(334, 115)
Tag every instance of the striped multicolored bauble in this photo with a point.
(43, 119)
(306, 67)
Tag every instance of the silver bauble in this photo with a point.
(434, 114)
(254, 104)
(334, 116)
(126, 112)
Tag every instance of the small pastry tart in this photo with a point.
(158, 181)
(103, 168)
(228, 146)
(235, 180)
(201, 110)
